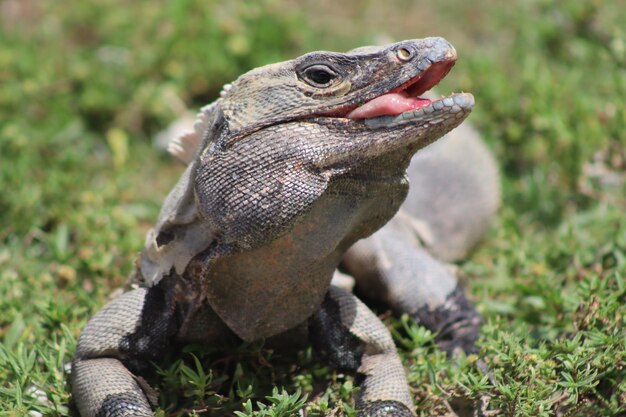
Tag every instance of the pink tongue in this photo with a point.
(388, 105)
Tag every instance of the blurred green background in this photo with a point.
(85, 86)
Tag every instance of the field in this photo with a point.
(84, 89)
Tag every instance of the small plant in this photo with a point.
(282, 404)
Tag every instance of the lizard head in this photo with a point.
(282, 132)
(367, 83)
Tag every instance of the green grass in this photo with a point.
(84, 88)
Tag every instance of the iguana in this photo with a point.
(286, 171)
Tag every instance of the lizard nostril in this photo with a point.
(163, 238)
(404, 54)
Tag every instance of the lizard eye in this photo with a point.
(404, 54)
(319, 75)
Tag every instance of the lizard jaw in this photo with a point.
(404, 98)
(446, 109)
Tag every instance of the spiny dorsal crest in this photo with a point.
(185, 146)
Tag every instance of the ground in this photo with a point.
(84, 89)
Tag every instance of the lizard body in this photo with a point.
(295, 163)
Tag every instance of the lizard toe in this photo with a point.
(456, 322)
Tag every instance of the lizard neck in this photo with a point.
(268, 290)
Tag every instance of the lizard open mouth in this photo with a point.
(405, 97)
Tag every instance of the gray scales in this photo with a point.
(298, 169)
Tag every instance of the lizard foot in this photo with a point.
(456, 322)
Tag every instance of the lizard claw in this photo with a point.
(456, 322)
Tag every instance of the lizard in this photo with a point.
(299, 168)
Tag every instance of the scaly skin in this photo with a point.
(280, 184)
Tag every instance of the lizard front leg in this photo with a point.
(128, 333)
(392, 267)
(348, 335)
